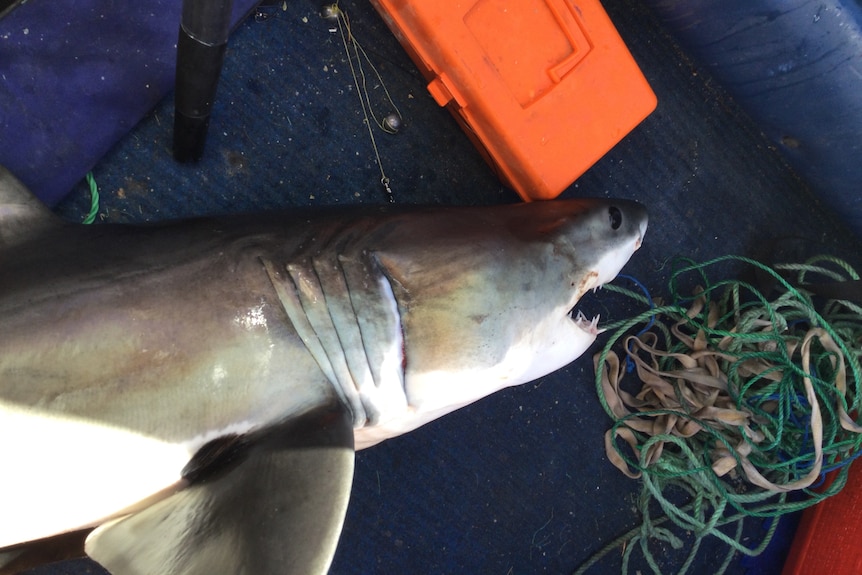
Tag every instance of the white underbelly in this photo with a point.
(61, 474)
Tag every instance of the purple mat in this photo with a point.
(78, 75)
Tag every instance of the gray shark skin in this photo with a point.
(193, 392)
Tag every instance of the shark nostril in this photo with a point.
(615, 216)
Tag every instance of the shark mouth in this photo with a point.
(588, 284)
(591, 326)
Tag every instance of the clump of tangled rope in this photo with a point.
(739, 400)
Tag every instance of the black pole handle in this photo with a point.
(200, 53)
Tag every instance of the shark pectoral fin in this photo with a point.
(277, 509)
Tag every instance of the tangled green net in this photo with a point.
(730, 400)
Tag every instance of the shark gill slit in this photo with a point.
(312, 297)
(342, 316)
(355, 287)
(384, 274)
(288, 293)
(375, 310)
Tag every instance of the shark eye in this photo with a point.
(615, 216)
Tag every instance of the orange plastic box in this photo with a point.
(543, 87)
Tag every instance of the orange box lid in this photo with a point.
(544, 88)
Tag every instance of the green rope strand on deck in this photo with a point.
(94, 199)
(738, 399)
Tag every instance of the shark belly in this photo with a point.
(72, 473)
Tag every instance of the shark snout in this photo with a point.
(642, 228)
(635, 219)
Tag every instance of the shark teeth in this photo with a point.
(589, 325)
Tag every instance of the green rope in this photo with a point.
(94, 199)
(756, 344)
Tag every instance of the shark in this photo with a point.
(187, 396)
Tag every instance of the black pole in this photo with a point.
(200, 53)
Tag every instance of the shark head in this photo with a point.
(487, 298)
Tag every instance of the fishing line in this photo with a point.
(355, 54)
(741, 399)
